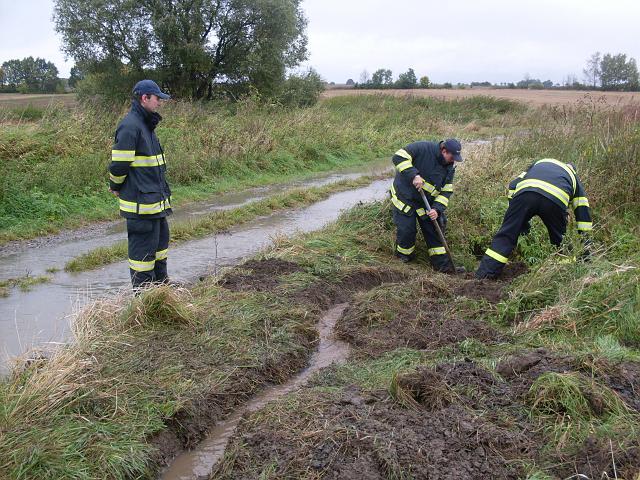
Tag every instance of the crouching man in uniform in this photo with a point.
(427, 166)
(546, 189)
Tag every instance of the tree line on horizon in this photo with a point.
(606, 72)
(102, 67)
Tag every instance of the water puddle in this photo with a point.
(41, 317)
(36, 256)
(198, 463)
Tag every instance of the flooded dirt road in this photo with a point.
(41, 316)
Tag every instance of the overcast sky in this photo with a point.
(456, 41)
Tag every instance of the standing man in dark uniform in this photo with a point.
(545, 189)
(137, 176)
(428, 166)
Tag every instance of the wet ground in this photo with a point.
(199, 462)
(452, 420)
(40, 317)
(265, 275)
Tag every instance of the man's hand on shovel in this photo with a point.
(437, 227)
(418, 182)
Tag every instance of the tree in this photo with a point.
(301, 90)
(30, 75)
(528, 82)
(424, 82)
(407, 79)
(13, 73)
(571, 80)
(592, 70)
(481, 84)
(382, 78)
(364, 77)
(547, 84)
(350, 82)
(616, 73)
(192, 47)
(75, 76)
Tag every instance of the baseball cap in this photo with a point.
(149, 87)
(452, 145)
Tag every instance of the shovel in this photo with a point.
(438, 230)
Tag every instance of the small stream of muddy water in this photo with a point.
(40, 317)
(198, 464)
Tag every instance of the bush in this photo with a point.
(301, 90)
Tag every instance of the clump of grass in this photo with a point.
(27, 113)
(571, 407)
(373, 373)
(421, 389)
(161, 305)
(569, 395)
(609, 347)
(24, 283)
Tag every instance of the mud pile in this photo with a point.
(451, 421)
(448, 421)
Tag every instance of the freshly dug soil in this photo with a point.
(428, 324)
(491, 290)
(624, 379)
(452, 421)
(360, 435)
(263, 277)
(189, 426)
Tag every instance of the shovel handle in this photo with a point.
(438, 230)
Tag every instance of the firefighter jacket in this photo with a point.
(138, 168)
(558, 182)
(426, 160)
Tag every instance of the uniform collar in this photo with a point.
(152, 119)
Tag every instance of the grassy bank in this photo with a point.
(534, 378)
(220, 221)
(54, 161)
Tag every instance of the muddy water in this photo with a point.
(199, 463)
(41, 317)
(36, 256)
